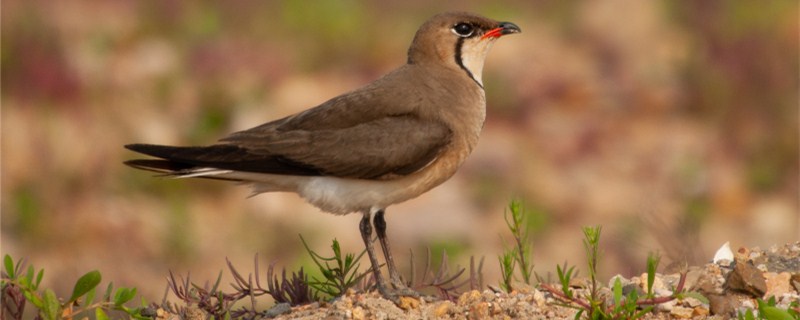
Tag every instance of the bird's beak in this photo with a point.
(503, 28)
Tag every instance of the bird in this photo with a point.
(384, 143)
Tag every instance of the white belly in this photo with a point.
(331, 194)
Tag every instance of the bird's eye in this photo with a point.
(463, 29)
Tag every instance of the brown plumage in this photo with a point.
(362, 151)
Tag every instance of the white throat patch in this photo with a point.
(473, 55)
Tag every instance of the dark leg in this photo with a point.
(394, 276)
(380, 227)
(366, 233)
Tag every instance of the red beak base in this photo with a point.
(494, 33)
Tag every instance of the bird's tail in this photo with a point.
(175, 162)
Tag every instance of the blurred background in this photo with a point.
(672, 124)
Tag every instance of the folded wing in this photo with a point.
(386, 146)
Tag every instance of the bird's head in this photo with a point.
(458, 40)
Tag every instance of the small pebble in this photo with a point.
(682, 312)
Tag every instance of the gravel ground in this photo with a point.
(730, 287)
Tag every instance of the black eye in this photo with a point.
(463, 30)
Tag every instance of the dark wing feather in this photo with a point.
(230, 157)
(396, 145)
(388, 145)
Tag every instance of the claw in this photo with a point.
(405, 298)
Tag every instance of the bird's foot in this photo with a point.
(398, 284)
(399, 295)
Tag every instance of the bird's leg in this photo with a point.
(366, 233)
(394, 276)
(380, 227)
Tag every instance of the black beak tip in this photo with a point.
(509, 28)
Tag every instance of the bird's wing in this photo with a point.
(388, 145)
(392, 145)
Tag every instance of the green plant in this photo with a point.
(507, 266)
(653, 259)
(17, 288)
(769, 311)
(518, 256)
(593, 305)
(565, 278)
(591, 244)
(339, 272)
